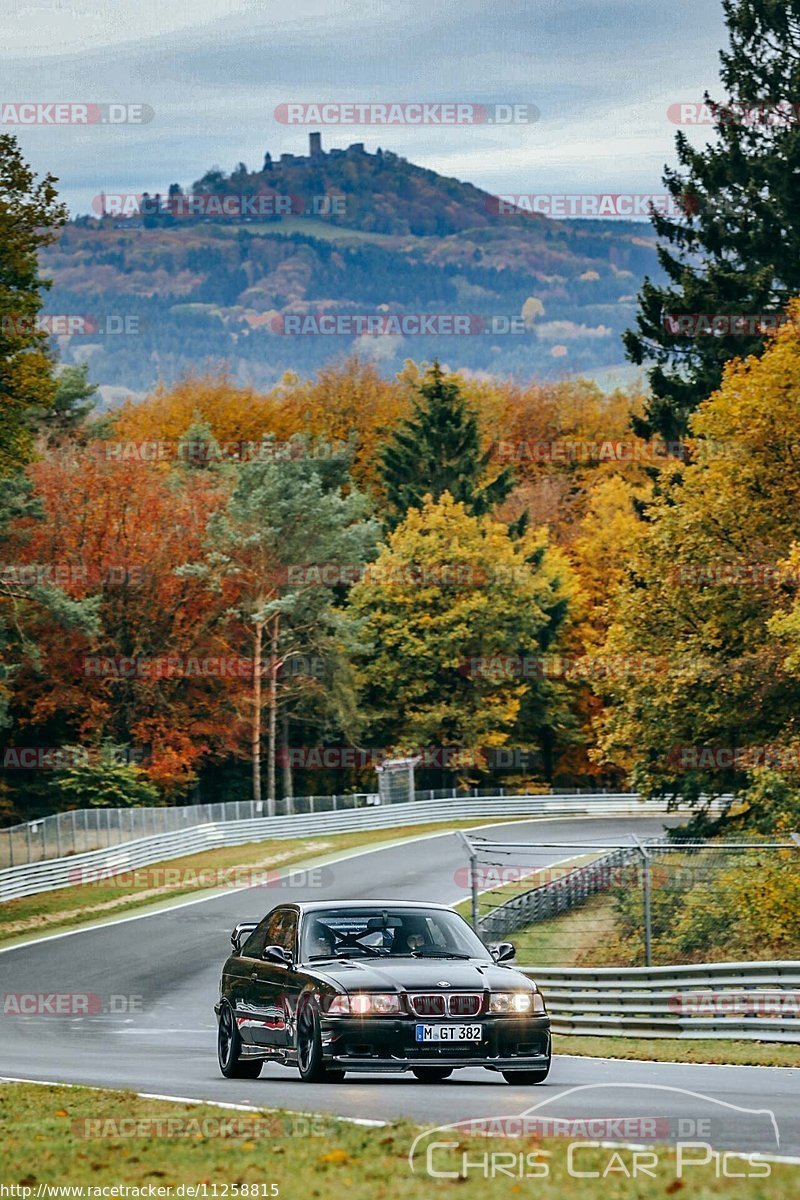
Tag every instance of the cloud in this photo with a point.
(602, 73)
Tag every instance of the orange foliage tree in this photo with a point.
(156, 676)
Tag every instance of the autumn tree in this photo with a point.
(115, 535)
(345, 406)
(705, 590)
(286, 518)
(448, 599)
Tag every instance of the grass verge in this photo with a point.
(700, 1050)
(501, 893)
(91, 1139)
(569, 939)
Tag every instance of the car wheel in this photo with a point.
(229, 1049)
(432, 1074)
(526, 1077)
(309, 1048)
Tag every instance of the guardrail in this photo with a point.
(559, 895)
(752, 1001)
(82, 829)
(31, 878)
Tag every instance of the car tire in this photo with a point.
(229, 1049)
(524, 1078)
(432, 1074)
(309, 1048)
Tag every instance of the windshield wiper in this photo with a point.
(435, 952)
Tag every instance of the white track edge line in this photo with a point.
(94, 1087)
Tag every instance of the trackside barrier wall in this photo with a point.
(752, 1001)
(30, 878)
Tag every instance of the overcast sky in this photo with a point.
(602, 73)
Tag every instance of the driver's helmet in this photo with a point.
(410, 937)
(320, 939)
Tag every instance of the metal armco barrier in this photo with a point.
(753, 1001)
(549, 899)
(79, 830)
(31, 878)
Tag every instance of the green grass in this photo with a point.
(489, 899)
(700, 1050)
(43, 1141)
(568, 939)
(71, 907)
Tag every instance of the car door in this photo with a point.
(271, 983)
(239, 981)
(287, 980)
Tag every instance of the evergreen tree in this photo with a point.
(438, 450)
(29, 214)
(735, 248)
(73, 401)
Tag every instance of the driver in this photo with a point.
(406, 941)
(321, 941)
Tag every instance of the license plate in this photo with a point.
(449, 1033)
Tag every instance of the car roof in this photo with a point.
(332, 905)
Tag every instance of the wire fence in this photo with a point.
(27, 879)
(661, 901)
(85, 829)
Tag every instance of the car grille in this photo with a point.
(441, 1004)
(465, 1004)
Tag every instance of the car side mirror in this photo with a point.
(279, 955)
(503, 951)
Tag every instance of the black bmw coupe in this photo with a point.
(376, 985)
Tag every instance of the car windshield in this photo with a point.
(383, 932)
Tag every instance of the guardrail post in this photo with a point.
(10, 848)
(473, 879)
(648, 927)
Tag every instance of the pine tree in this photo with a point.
(29, 216)
(438, 450)
(735, 248)
(74, 400)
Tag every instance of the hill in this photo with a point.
(237, 273)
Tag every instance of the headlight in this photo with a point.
(516, 1002)
(365, 1004)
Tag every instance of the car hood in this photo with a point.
(410, 974)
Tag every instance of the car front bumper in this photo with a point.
(389, 1044)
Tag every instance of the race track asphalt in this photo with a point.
(169, 963)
